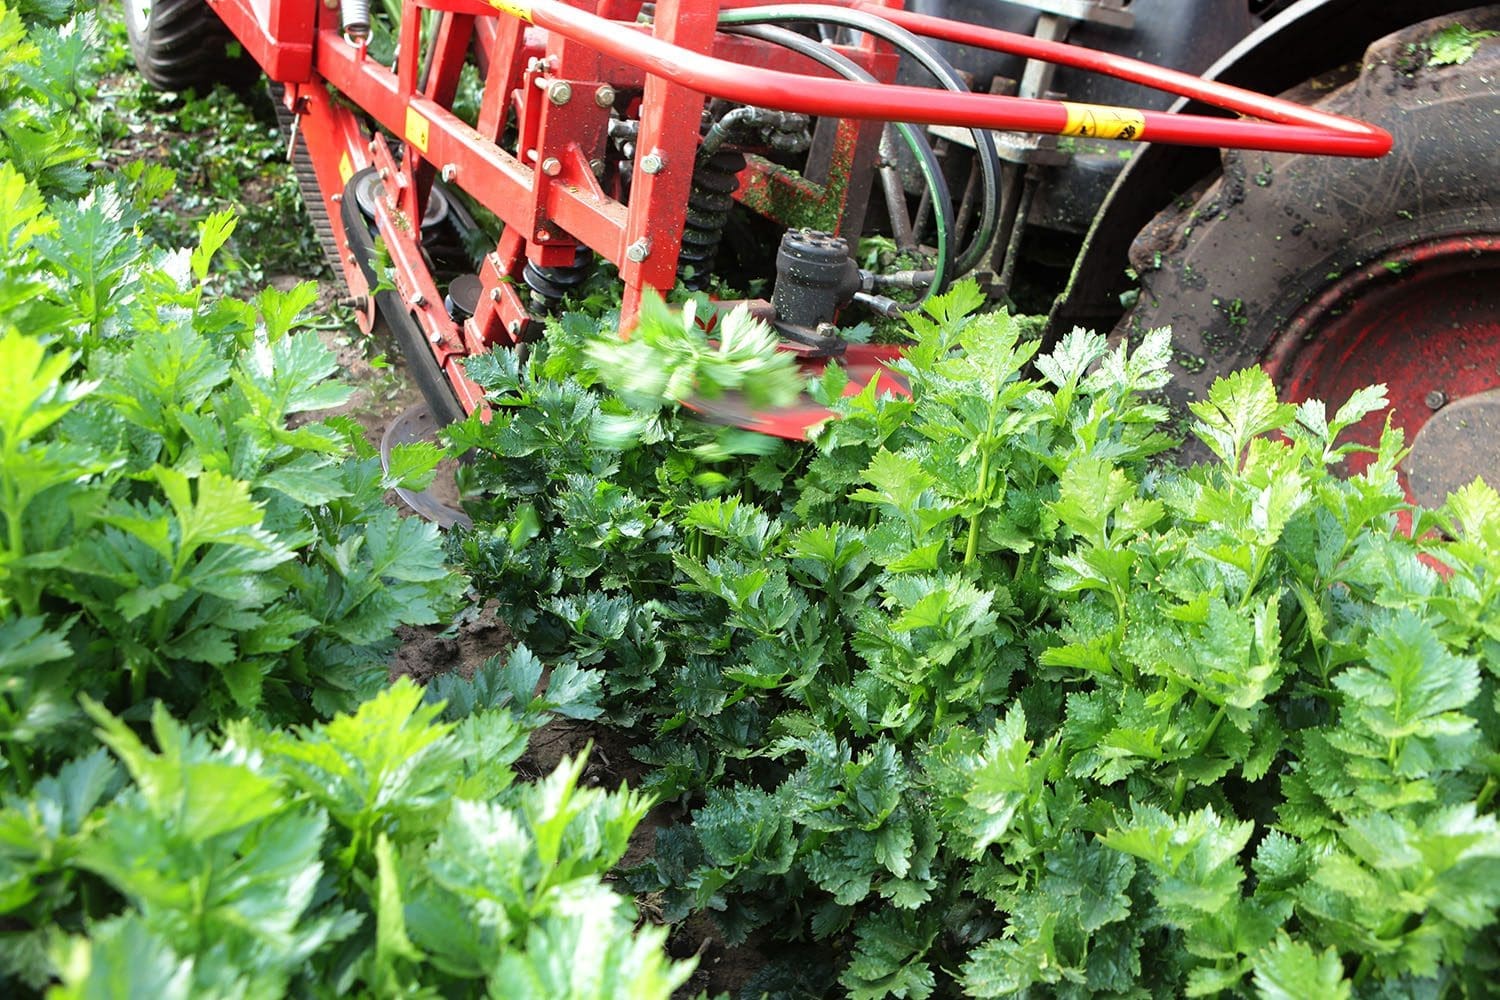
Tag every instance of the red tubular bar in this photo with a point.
(1291, 129)
(1171, 81)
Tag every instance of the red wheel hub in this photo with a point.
(1425, 320)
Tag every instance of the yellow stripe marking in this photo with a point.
(515, 8)
(1095, 121)
(416, 129)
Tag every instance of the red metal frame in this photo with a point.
(553, 70)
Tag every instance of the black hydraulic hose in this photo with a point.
(944, 270)
(724, 129)
(927, 57)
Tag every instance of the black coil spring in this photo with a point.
(709, 204)
(549, 284)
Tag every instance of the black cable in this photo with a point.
(945, 266)
(928, 58)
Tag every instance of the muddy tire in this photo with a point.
(1268, 262)
(182, 44)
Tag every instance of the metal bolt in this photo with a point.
(1436, 399)
(513, 328)
(353, 259)
(560, 92)
(605, 96)
(337, 198)
(373, 147)
(450, 171)
(638, 251)
(551, 166)
(385, 174)
(419, 300)
(597, 166)
(494, 295)
(653, 162)
(542, 236)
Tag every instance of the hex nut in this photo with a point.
(560, 92)
(653, 163)
(638, 251)
(605, 96)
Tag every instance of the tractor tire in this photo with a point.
(1337, 273)
(182, 44)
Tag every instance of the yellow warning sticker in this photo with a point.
(416, 129)
(515, 8)
(1095, 121)
(346, 168)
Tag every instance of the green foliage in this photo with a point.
(990, 698)
(332, 859)
(168, 529)
(180, 545)
(46, 83)
(1455, 45)
(977, 694)
(668, 358)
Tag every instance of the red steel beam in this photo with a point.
(1293, 129)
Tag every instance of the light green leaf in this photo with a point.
(213, 232)
(1291, 970)
(202, 793)
(34, 394)
(1238, 408)
(1455, 45)
(279, 310)
(1413, 685)
(391, 942)
(120, 958)
(23, 215)
(413, 466)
